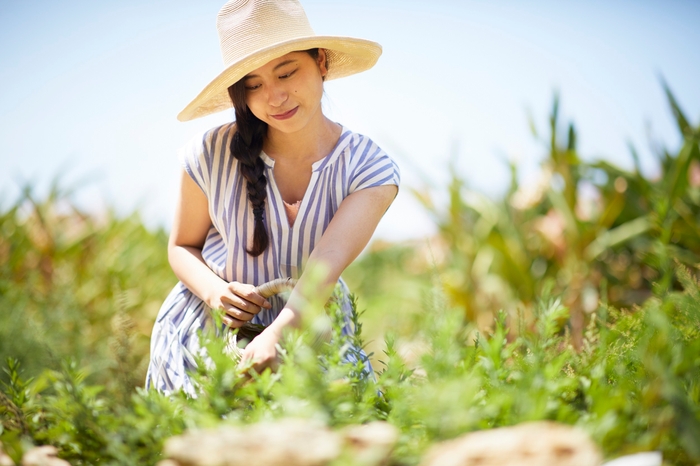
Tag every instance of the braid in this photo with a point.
(246, 146)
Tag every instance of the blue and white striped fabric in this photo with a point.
(355, 163)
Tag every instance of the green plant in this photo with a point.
(523, 308)
(81, 287)
(591, 227)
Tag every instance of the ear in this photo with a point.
(321, 61)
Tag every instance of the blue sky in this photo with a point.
(91, 89)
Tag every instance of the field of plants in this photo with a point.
(575, 299)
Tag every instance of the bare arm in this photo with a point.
(346, 236)
(341, 243)
(190, 229)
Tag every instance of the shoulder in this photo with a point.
(206, 151)
(368, 164)
(359, 149)
(211, 138)
(209, 144)
(358, 143)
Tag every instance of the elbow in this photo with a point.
(176, 251)
(171, 253)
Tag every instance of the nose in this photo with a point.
(277, 95)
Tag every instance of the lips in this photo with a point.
(285, 115)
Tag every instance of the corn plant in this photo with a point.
(75, 285)
(598, 231)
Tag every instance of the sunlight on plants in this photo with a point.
(574, 299)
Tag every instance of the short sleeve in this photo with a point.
(196, 160)
(372, 167)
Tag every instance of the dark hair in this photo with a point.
(246, 146)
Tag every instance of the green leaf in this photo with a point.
(683, 126)
(617, 236)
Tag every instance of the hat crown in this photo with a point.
(253, 32)
(247, 26)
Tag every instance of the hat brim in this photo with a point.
(346, 56)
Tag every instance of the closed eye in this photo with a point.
(287, 75)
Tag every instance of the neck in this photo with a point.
(312, 143)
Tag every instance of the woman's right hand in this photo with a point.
(239, 301)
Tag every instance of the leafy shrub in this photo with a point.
(633, 386)
(598, 231)
(519, 311)
(80, 287)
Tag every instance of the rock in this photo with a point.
(288, 443)
(649, 458)
(369, 444)
(4, 459)
(168, 463)
(46, 455)
(535, 443)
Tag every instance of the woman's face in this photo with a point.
(286, 92)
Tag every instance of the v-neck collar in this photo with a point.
(317, 167)
(328, 160)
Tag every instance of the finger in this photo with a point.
(246, 356)
(248, 293)
(271, 363)
(245, 366)
(235, 302)
(274, 364)
(259, 362)
(238, 314)
(232, 322)
(252, 359)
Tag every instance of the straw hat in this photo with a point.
(254, 32)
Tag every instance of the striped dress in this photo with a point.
(355, 163)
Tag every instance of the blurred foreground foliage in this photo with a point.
(573, 300)
(634, 386)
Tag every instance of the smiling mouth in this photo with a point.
(285, 115)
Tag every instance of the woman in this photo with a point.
(281, 190)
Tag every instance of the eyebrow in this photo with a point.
(280, 65)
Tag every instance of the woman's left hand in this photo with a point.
(262, 351)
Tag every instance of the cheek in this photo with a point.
(319, 91)
(313, 91)
(254, 106)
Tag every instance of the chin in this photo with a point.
(287, 126)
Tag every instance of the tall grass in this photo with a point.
(594, 230)
(633, 386)
(78, 286)
(573, 300)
